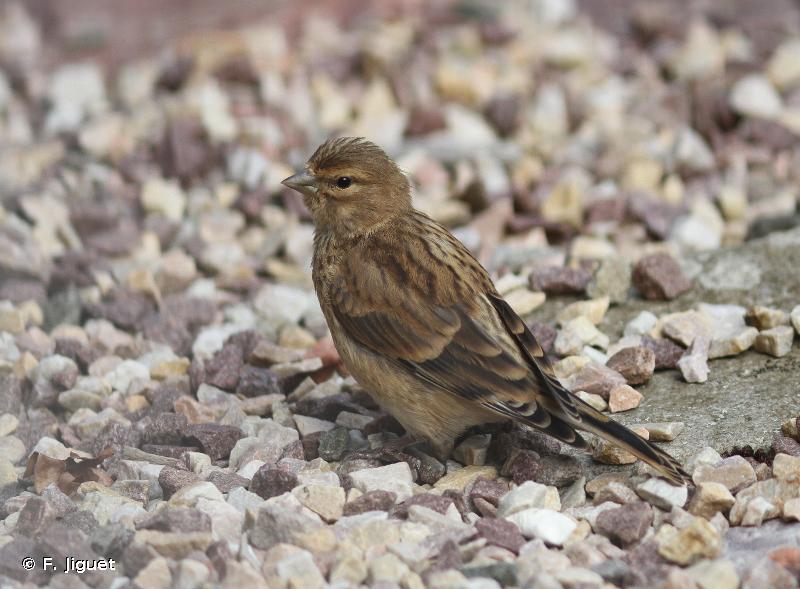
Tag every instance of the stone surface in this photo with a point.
(658, 276)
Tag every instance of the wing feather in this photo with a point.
(432, 309)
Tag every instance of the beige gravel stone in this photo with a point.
(786, 468)
(734, 472)
(688, 545)
(685, 326)
(663, 431)
(11, 319)
(595, 401)
(791, 509)
(623, 398)
(570, 365)
(174, 544)
(155, 575)
(525, 301)
(324, 500)
(776, 341)
(459, 479)
(764, 318)
(594, 310)
(710, 498)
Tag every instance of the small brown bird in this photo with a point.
(417, 320)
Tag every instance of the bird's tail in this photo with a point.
(601, 425)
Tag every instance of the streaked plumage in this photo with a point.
(417, 320)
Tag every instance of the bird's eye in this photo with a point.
(344, 182)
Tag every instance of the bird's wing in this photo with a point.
(431, 308)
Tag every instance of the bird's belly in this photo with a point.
(423, 410)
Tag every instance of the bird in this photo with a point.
(418, 322)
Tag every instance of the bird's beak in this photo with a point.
(303, 182)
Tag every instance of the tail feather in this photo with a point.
(596, 423)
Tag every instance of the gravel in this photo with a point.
(171, 397)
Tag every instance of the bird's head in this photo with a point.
(350, 185)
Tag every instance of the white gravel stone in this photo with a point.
(310, 425)
(189, 495)
(662, 494)
(242, 499)
(226, 519)
(707, 456)
(758, 509)
(298, 569)
(8, 424)
(714, 574)
(190, 574)
(529, 494)
(436, 521)
(545, 524)
(694, 364)
(692, 152)
(128, 376)
(392, 477)
(51, 448)
(754, 96)
(250, 468)
(589, 513)
(577, 333)
(578, 577)
(165, 197)
(279, 304)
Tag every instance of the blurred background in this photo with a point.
(552, 110)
